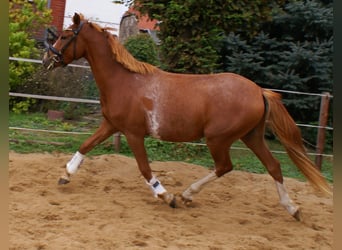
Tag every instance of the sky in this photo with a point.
(104, 12)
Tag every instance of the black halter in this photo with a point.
(58, 55)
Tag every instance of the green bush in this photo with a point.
(143, 48)
(25, 19)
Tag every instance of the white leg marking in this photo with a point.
(285, 199)
(197, 186)
(74, 163)
(156, 187)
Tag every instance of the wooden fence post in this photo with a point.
(117, 141)
(323, 119)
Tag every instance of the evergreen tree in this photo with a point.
(293, 52)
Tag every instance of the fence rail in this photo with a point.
(55, 98)
(40, 62)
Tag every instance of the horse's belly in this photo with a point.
(174, 127)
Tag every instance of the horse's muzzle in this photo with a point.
(52, 57)
(49, 62)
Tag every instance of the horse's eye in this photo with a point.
(63, 37)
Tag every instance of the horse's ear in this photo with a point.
(76, 19)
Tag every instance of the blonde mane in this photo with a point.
(122, 56)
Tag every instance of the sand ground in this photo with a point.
(107, 205)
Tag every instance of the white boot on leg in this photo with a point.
(74, 163)
(160, 192)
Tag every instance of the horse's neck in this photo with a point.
(105, 70)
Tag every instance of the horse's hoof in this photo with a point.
(168, 198)
(186, 201)
(63, 181)
(173, 203)
(298, 215)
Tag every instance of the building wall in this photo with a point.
(128, 27)
(133, 23)
(58, 12)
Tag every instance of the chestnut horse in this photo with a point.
(138, 99)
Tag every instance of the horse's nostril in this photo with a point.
(48, 63)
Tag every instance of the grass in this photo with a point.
(23, 141)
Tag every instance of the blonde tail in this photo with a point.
(284, 127)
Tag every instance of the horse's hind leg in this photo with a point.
(103, 132)
(219, 150)
(255, 141)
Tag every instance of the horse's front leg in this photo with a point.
(103, 132)
(136, 144)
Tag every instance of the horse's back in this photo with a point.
(235, 105)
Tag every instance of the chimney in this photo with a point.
(58, 12)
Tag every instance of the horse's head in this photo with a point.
(67, 47)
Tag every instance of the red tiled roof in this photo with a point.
(144, 21)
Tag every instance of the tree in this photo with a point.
(293, 52)
(25, 19)
(143, 48)
(191, 30)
